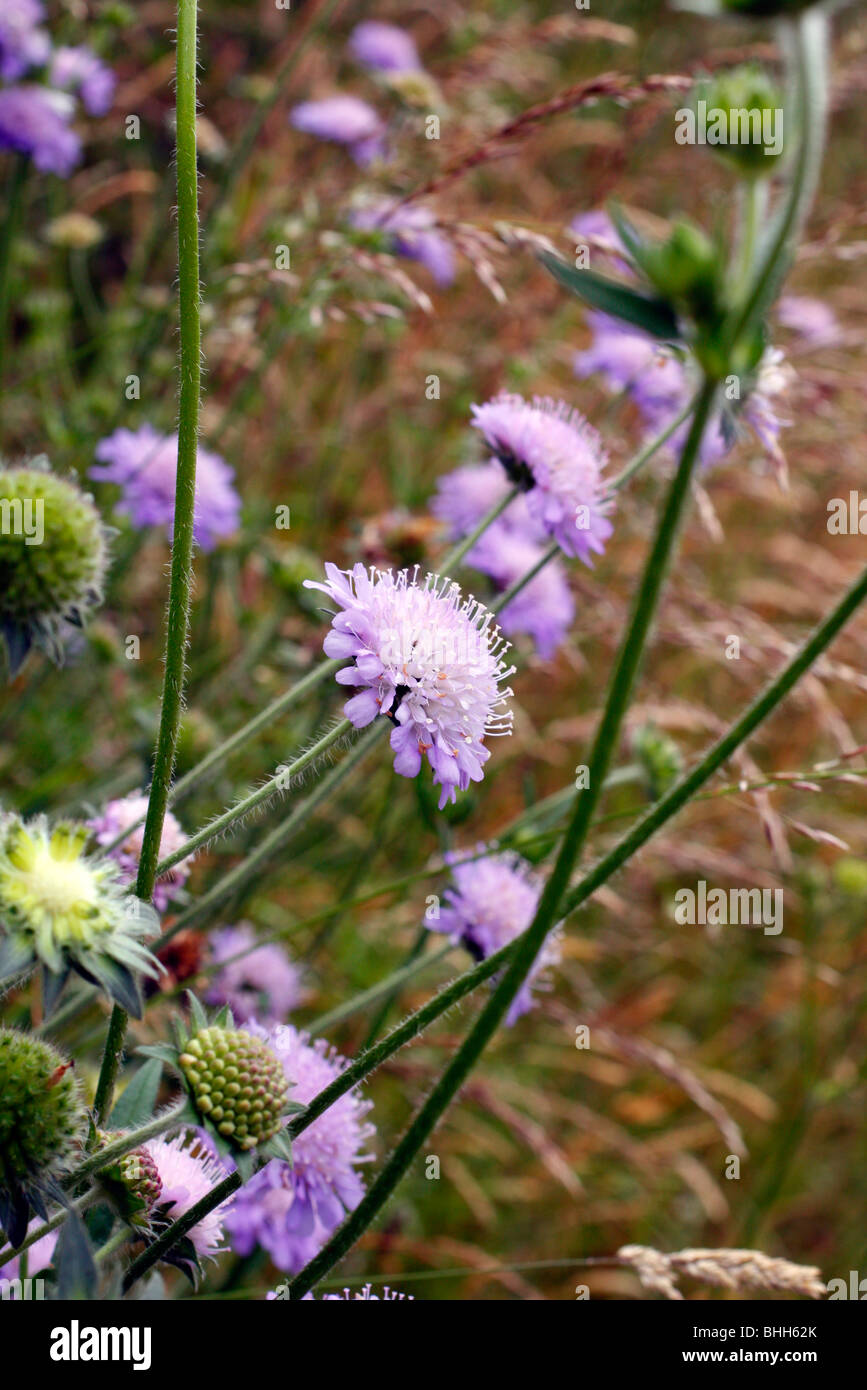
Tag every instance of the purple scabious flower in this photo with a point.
(492, 901)
(413, 234)
(188, 1174)
(79, 70)
(545, 608)
(629, 360)
(558, 458)
(468, 493)
(813, 319)
(383, 47)
(347, 120)
(429, 660)
(596, 228)
(366, 1295)
(39, 1255)
(35, 120)
(124, 812)
(262, 983)
(291, 1210)
(23, 44)
(144, 464)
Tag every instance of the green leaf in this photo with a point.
(197, 1013)
(15, 957)
(163, 1051)
(138, 1101)
(653, 316)
(76, 1268)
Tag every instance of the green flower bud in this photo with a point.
(42, 1122)
(850, 876)
(742, 117)
(660, 758)
(237, 1083)
(53, 558)
(133, 1182)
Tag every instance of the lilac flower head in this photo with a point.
(413, 234)
(384, 47)
(347, 120)
(188, 1174)
(39, 1254)
(468, 493)
(35, 120)
(126, 811)
(558, 458)
(596, 228)
(144, 464)
(492, 901)
(79, 70)
(812, 318)
(366, 1295)
(544, 609)
(263, 983)
(23, 44)
(429, 660)
(629, 360)
(291, 1211)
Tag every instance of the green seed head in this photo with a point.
(237, 1083)
(53, 557)
(42, 1117)
(661, 759)
(746, 108)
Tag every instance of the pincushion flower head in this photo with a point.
(79, 70)
(144, 464)
(344, 119)
(67, 910)
(53, 559)
(291, 1210)
(42, 1123)
(131, 1183)
(558, 459)
(509, 548)
(23, 43)
(128, 811)
(186, 1174)
(256, 981)
(412, 232)
(235, 1085)
(383, 47)
(493, 900)
(429, 660)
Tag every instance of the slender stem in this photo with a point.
(113, 1244)
(280, 782)
(168, 1120)
(530, 942)
(386, 985)
(178, 617)
(644, 455)
(454, 557)
(149, 1257)
(218, 756)
(514, 589)
(250, 868)
(808, 42)
(367, 1062)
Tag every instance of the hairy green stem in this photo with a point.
(178, 1229)
(178, 615)
(280, 782)
(531, 941)
(249, 869)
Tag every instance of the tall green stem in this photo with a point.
(529, 944)
(178, 617)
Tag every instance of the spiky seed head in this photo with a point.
(53, 557)
(237, 1082)
(134, 1181)
(42, 1115)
